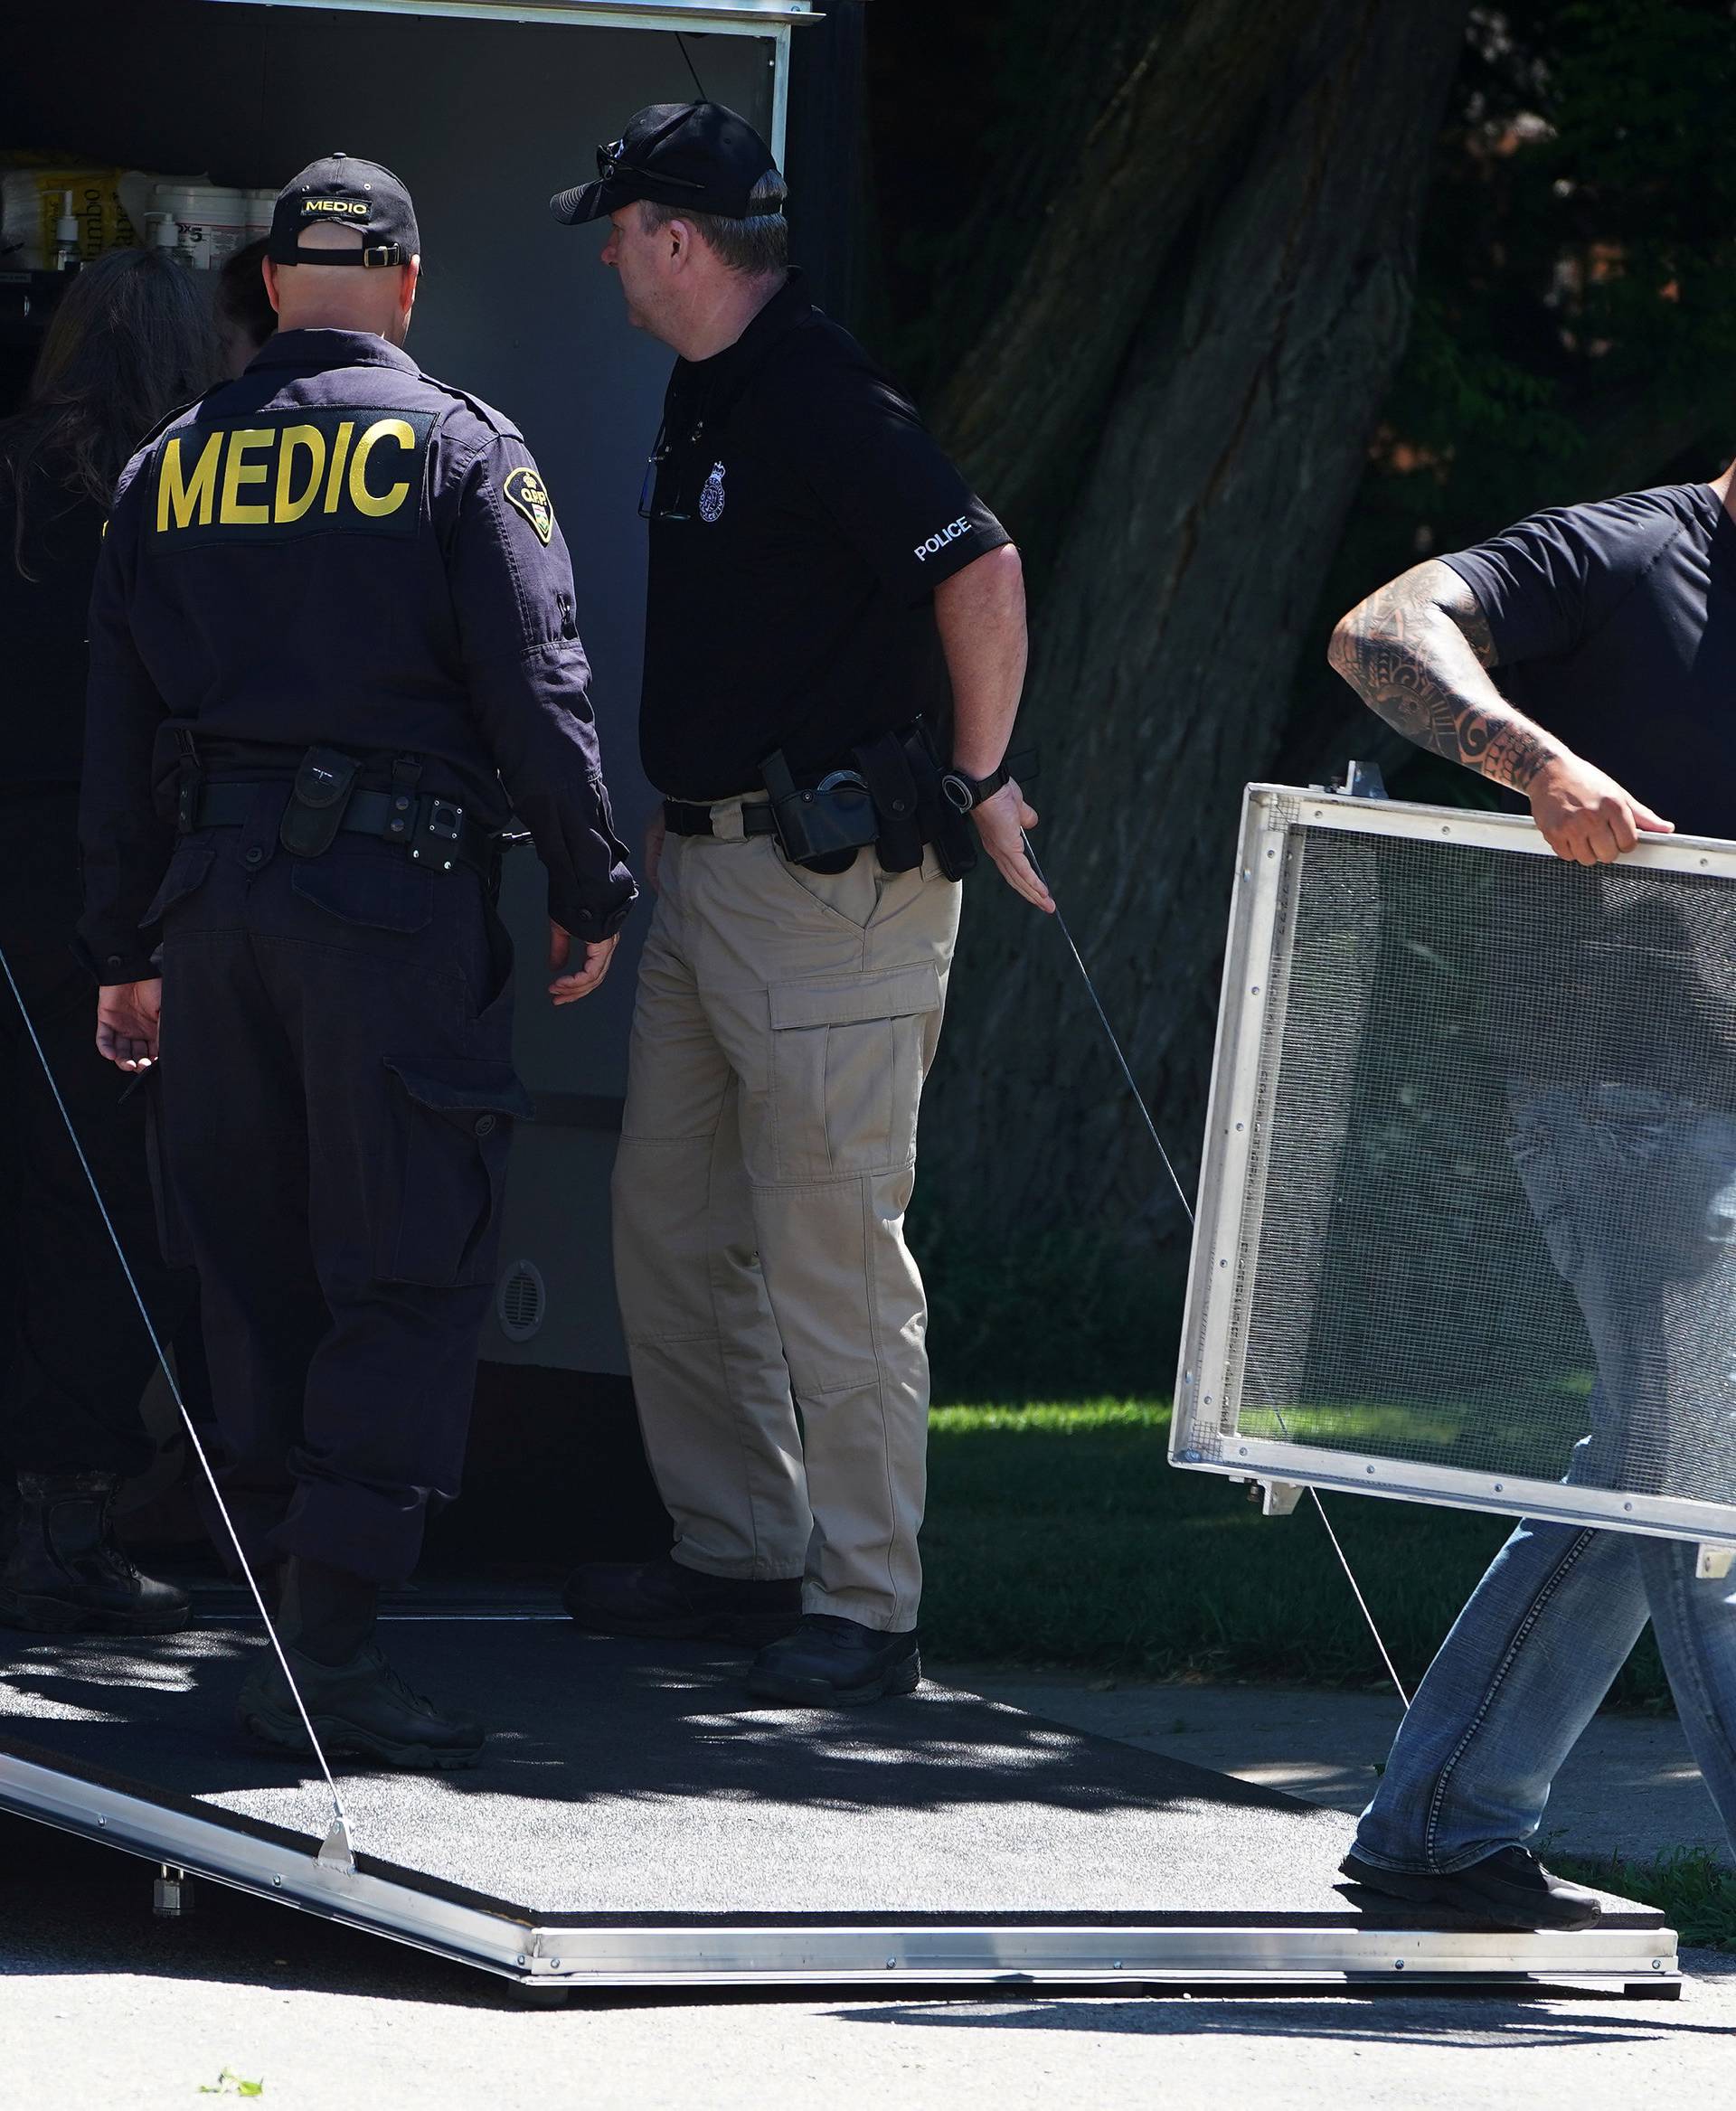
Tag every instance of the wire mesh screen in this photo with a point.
(1488, 1220)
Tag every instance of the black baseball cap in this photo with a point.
(696, 154)
(341, 192)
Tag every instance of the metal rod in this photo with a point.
(1140, 1101)
(340, 1817)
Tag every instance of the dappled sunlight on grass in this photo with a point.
(1059, 1534)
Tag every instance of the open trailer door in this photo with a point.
(485, 108)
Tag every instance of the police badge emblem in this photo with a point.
(526, 491)
(711, 500)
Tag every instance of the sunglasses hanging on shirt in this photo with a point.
(649, 509)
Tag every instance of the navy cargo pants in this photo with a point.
(335, 1111)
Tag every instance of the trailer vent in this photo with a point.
(521, 1301)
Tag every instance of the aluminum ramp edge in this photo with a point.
(494, 1936)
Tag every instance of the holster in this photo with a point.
(885, 767)
(823, 826)
(952, 833)
(324, 781)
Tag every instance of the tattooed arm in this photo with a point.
(1418, 653)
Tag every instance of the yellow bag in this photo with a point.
(33, 187)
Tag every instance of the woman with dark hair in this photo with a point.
(133, 338)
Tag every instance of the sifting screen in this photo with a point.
(1490, 1220)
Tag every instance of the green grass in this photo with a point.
(1693, 1888)
(1060, 1535)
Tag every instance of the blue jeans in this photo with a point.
(1632, 1190)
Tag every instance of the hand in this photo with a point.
(595, 957)
(1586, 816)
(655, 831)
(1001, 821)
(128, 1016)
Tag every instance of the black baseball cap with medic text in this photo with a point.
(696, 154)
(339, 190)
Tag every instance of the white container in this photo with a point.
(212, 220)
(259, 204)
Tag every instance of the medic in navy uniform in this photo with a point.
(334, 651)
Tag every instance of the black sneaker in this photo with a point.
(662, 1600)
(361, 1710)
(67, 1573)
(1512, 1888)
(830, 1662)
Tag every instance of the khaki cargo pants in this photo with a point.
(775, 1319)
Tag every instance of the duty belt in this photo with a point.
(437, 832)
(683, 817)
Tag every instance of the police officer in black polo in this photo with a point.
(835, 645)
(334, 650)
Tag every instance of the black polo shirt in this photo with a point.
(801, 520)
(1613, 627)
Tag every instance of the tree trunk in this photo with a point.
(1095, 213)
(1207, 510)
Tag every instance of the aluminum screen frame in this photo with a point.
(1224, 1288)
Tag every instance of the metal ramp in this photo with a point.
(636, 1824)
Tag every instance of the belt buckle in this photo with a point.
(445, 818)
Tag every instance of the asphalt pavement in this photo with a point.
(1631, 1786)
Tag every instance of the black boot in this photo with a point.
(66, 1573)
(1512, 1886)
(361, 1710)
(830, 1662)
(359, 1706)
(662, 1599)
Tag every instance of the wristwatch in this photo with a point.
(965, 792)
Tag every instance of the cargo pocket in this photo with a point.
(846, 1071)
(441, 1178)
(186, 874)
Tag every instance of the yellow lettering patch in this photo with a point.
(524, 489)
(342, 471)
(346, 208)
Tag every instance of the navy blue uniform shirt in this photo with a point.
(801, 518)
(337, 551)
(1615, 627)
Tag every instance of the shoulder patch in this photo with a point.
(525, 490)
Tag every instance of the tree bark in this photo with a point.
(1111, 197)
(1207, 511)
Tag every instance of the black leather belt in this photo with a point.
(683, 817)
(436, 832)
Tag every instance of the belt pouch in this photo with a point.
(822, 830)
(324, 782)
(886, 769)
(952, 833)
